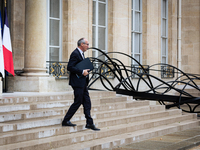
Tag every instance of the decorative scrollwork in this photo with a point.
(167, 71)
(58, 69)
(139, 70)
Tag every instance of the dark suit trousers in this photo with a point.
(81, 96)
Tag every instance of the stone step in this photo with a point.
(86, 135)
(101, 94)
(113, 100)
(128, 138)
(143, 120)
(118, 113)
(34, 106)
(29, 114)
(194, 94)
(51, 97)
(32, 99)
(53, 120)
(192, 91)
(53, 104)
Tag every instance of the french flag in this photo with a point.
(7, 49)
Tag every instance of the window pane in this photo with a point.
(93, 36)
(54, 32)
(164, 9)
(99, 25)
(164, 41)
(137, 57)
(102, 12)
(101, 38)
(137, 43)
(137, 21)
(93, 53)
(132, 20)
(163, 47)
(54, 8)
(54, 54)
(132, 4)
(132, 38)
(102, 57)
(137, 5)
(164, 27)
(94, 13)
(98, 54)
(164, 60)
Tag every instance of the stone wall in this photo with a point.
(190, 36)
(27, 34)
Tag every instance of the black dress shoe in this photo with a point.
(68, 123)
(88, 126)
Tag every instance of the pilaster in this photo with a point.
(79, 24)
(121, 33)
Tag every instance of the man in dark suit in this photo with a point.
(79, 79)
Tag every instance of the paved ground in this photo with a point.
(184, 140)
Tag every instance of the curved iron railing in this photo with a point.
(146, 85)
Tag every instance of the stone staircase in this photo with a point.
(34, 123)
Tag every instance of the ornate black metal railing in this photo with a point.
(139, 70)
(146, 84)
(57, 69)
(167, 71)
(103, 69)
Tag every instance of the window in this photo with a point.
(54, 48)
(99, 27)
(164, 32)
(136, 30)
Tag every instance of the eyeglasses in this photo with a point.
(86, 44)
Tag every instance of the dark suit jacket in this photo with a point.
(76, 79)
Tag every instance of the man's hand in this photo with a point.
(85, 72)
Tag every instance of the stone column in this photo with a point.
(36, 38)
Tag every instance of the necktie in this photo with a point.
(83, 56)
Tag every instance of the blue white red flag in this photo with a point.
(7, 48)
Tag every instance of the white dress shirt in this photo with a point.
(81, 52)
